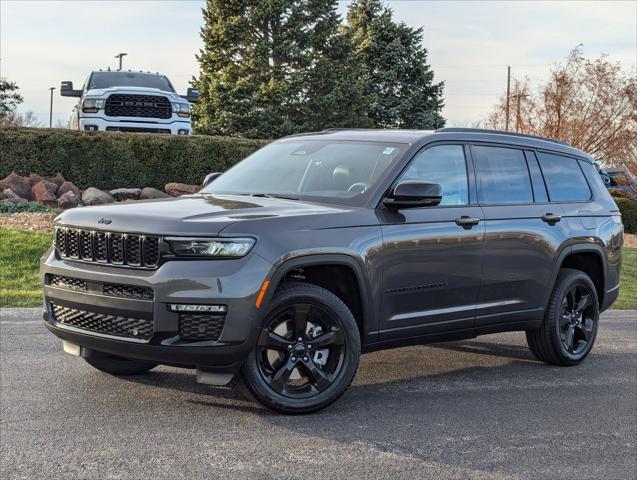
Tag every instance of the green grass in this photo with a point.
(20, 254)
(628, 283)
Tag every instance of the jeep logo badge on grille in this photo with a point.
(105, 221)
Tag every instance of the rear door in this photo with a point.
(523, 234)
(432, 256)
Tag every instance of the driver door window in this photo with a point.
(445, 165)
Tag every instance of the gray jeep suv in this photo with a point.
(320, 247)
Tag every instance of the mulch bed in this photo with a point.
(33, 222)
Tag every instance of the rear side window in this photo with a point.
(503, 176)
(445, 165)
(564, 179)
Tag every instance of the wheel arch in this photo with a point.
(578, 256)
(363, 313)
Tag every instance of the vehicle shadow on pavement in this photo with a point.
(488, 348)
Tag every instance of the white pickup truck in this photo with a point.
(127, 101)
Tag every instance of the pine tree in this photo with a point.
(276, 67)
(399, 80)
(9, 98)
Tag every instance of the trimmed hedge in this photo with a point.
(628, 209)
(115, 160)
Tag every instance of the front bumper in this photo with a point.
(101, 124)
(232, 283)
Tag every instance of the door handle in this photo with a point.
(551, 218)
(467, 222)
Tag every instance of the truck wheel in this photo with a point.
(117, 365)
(307, 351)
(570, 323)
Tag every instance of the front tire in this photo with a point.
(307, 351)
(570, 324)
(117, 365)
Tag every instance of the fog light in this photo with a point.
(180, 307)
(90, 128)
(183, 131)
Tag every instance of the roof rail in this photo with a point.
(499, 132)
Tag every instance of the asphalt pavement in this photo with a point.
(482, 408)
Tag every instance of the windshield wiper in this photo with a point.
(273, 195)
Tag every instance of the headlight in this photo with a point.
(211, 247)
(92, 105)
(181, 109)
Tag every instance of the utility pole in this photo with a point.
(51, 108)
(120, 56)
(506, 123)
(518, 119)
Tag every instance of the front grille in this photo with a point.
(127, 291)
(138, 130)
(110, 289)
(67, 282)
(103, 323)
(107, 247)
(200, 326)
(150, 106)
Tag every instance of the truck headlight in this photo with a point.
(211, 247)
(92, 105)
(182, 109)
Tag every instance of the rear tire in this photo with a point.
(117, 365)
(307, 351)
(570, 324)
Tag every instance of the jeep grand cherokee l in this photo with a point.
(320, 247)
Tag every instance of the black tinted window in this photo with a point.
(503, 176)
(129, 79)
(564, 179)
(445, 165)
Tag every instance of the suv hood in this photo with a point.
(199, 215)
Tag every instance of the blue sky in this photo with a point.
(469, 43)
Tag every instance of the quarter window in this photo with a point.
(445, 165)
(564, 178)
(503, 176)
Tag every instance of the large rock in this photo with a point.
(68, 200)
(95, 196)
(69, 187)
(34, 178)
(12, 197)
(150, 192)
(178, 189)
(44, 192)
(121, 194)
(18, 184)
(58, 179)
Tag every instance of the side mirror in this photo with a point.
(211, 177)
(413, 194)
(66, 90)
(192, 95)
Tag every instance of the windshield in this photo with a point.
(333, 170)
(129, 79)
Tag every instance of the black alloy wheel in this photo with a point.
(300, 350)
(306, 353)
(578, 318)
(570, 324)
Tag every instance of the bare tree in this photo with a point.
(61, 123)
(590, 104)
(26, 119)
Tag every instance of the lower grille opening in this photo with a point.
(103, 323)
(199, 327)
